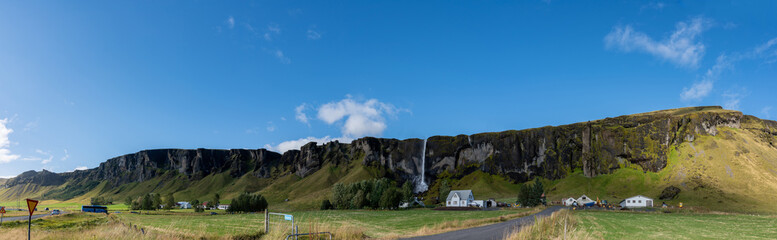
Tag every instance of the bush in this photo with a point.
(100, 201)
(246, 202)
(530, 196)
(326, 204)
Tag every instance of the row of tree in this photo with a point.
(370, 194)
(151, 201)
(246, 202)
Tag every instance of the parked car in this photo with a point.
(55, 212)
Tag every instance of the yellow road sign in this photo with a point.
(31, 204)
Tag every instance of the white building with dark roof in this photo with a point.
(460, 198)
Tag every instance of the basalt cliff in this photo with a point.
(640, 141)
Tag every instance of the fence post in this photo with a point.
(266, 221)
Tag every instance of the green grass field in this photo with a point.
(627, 225)
(373, 223)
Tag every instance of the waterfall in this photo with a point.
(420, 185)
(469, 138)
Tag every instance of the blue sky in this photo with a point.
(84, 81)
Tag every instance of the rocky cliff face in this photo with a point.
(596, 147)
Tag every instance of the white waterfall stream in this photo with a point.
(420, 185)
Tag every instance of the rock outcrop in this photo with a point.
(597, 147)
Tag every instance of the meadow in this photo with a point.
(658, 225)
(376, 224)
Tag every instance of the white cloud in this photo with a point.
(5, 153)
(296, 144)
(66, 156)
(702, 88)
(765, 111)
(653, 5)
(299, 113)
(284, 59)
(80, 168)
(361, 118)
(313, 35)
(31, 125)
(733, 98)
(270, 127)
(231, 22)
(681, 48)
(45, 157)
(272, 29)
(7, 177)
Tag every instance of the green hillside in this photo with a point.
(732, 170)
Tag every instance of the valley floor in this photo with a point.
(658, 225)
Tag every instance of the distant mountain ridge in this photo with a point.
(642, 141)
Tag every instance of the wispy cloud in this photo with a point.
(313, 34)
(272, 30)
(765, 111)
(231, 22)
(270, 127)
(5, 153)
(653, 5)
(733, 97)
(284, 59)
(682, 47)
(702, 88)
(66, 156)
(44, 158)
(300, 115)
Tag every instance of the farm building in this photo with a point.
(569, 201)
(184, 205)
(460, 198)
(585, 200)
(637, 202)
(223, 206)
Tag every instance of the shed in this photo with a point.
(638, 201)
(459, 198)
(585, 200)
(569, 201)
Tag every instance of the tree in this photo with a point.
(169, 201)
(340, 196)
(156, 200)
(445, 189)
(216, 199)
(358, 200)
(147, 203)
(128, 201)
(407, 192)
(196, 205)
(538, 190)
(326, 204)
(390, 198)
(524, 194)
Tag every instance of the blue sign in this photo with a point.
(287, 217)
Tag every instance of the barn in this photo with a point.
(637, 202)
(459, 198)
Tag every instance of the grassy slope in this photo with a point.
(732, 171)
(623, 225)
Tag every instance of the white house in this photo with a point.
(478, 203)
(460, 198)
(637, 202)
(583, 200)
(223, 206)
(184, 205)
(569, 201)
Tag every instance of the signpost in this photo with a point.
(31, 204)
(2, 212)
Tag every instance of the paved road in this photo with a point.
(24, 218)
(495, 231)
